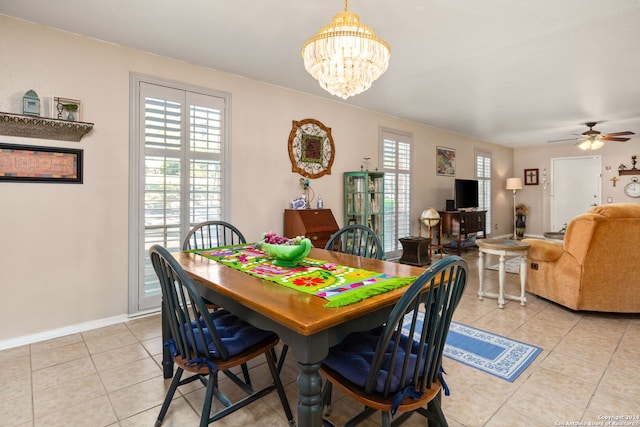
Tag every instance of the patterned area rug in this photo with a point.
(511, 265)
(496, 355)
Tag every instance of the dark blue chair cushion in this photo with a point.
(236, 334)
(352, 359)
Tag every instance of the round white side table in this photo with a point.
(503, 248)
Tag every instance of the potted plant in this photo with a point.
(70, 108)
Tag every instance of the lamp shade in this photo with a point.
(514, 184)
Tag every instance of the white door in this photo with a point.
(576, 186)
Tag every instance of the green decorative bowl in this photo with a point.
(286, 255)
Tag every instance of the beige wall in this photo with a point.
(539, 199)
(64, 247)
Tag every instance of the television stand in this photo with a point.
(458, 225)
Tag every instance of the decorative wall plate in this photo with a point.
(311, 148)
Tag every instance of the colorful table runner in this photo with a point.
(340, 285)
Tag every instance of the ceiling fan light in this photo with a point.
(598, 143)
(585, 145)
(346, 56)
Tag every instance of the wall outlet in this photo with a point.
(496, 226)
(609, 199)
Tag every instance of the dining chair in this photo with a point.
(397, 367)
(206, 343)
(212, 234)
(356, 239)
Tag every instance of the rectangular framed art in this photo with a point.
(531, 177)
(445, 161)
(28, 163)
(66, 109)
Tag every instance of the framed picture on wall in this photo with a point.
(29, 163)
(445, 161)
(66, 109)
(531, 177)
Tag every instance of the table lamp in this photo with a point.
(514, 184)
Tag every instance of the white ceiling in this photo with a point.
(512, 72)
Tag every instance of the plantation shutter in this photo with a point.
(396, 164)
(182, 177)
(483, 175)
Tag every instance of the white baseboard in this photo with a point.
(68, 330)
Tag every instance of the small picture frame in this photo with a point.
(445, 161)
(531, 176)
(66, 109)
(30, 163)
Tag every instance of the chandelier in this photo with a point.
(346, 56)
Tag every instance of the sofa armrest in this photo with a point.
(544, 250)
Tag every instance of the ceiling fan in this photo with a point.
(593, 139)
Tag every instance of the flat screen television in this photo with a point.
(466, 194)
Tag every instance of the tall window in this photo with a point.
(483, 175)
(178, 152)
(395, 149)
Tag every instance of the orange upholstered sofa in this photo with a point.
(597, 268)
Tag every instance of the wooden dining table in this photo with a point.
(301, 320)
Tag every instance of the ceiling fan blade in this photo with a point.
(562, 140)
(614, 138)
(620, 133)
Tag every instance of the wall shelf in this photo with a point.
(629, 172)
(42, 127)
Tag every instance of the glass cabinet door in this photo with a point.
(355, 200)
(364, 200)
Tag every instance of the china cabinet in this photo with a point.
(364, 200)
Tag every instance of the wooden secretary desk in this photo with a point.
(316, 224)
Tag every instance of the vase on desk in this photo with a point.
(521, 224)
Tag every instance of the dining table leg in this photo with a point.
(309, 395)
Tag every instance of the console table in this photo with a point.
(461, 224)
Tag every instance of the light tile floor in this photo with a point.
(111, 376)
